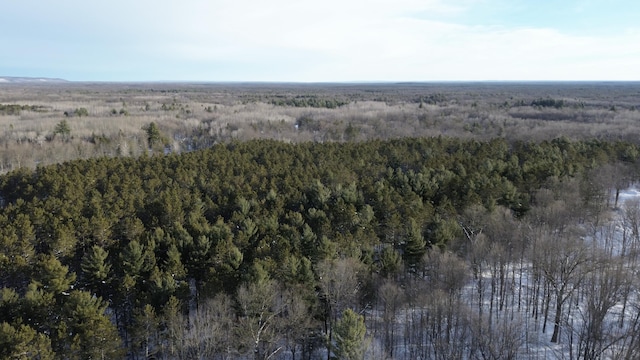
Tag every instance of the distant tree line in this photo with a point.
(15, 109)
(309, 101)
(558, 104)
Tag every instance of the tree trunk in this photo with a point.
(546, 308)
(556, 321)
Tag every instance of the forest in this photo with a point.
(321, 240)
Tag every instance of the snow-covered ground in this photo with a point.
(628, 194)
(490, 319)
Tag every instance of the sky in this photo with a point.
(321, 41)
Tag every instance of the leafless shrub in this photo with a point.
(198, 115)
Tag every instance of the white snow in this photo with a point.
(536, 344)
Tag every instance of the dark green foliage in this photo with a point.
(548, 103)
(71, 324)
(390, 262)
(10, 109)
(155, 138)
(52, 276)
(132, 259)
(15, 109)
(139, 232)
(309, 101)
(81, 112)
(433, 99)
(350, 336)
(87, 333)
(414, 245)
(23, 342)
(96, 269)
(63, 129)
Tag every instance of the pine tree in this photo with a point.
(145, 331)
(87, 332)
(415, 246)
(54, 277)
(23, 343)
(390, 262)
(173, 264)
(16, 255)
(132, 258)
(350, 334)
(96, 269)
(63, 129)
(154, 136)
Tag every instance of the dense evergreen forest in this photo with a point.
(264, 249)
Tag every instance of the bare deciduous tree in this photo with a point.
(257, 328)
(603, 289)
(339, 284)
(498, 341)
(391, 296)
(564, 261)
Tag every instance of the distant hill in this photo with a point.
(30, 80)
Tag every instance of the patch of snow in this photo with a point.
(630, 193)
(612, 236)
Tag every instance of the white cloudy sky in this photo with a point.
(329, 40)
